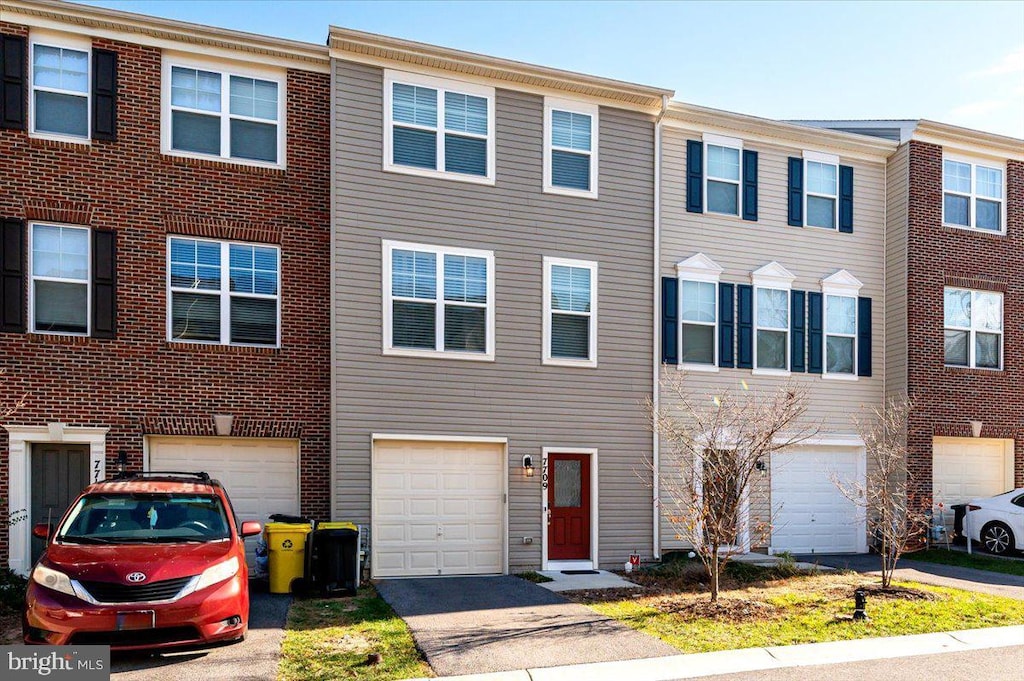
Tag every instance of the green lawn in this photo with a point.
(974, 560)
(807, 610)
(331, 639)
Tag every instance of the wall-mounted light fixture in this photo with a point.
(528, 465)
(222, 424)
(976, 428)
(761, 466)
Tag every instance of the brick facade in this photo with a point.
(138, 383)
(946, 399)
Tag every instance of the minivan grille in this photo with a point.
(109, 592)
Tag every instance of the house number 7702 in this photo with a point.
(96, 471)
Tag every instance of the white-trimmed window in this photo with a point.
(570, 147)
(722, 159)
(840, 291)
(972, 195)
(223, 292)
(60, 99)
(973, 328)
(698, 313)
(570, 312)
(438, 301)
(772, 286)
(821, 198)
(60, 296)
(438, 127)
(211, 110)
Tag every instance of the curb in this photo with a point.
(753, 659)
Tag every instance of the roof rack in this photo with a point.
(201, 475)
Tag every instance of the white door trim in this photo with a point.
(591, 564)
(19, 476)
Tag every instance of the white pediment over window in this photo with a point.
(772, 275)
(698, 268)
(842, 283)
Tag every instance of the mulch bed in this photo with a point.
(10, 626)
(725, 610)
(899, 593)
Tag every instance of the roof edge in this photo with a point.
(88, 16)
(968, 139)
(386, 48)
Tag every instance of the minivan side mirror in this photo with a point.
(250, 528)
(41, 530)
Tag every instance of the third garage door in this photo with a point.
(438, 508)
(811, 515)
(968, 468)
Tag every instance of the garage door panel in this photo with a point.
(965, 469)
(453, 514)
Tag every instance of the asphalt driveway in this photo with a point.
(254, 658)
(468, 625)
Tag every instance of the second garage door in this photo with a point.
(811, 515)
(967, 468)
(438, 508)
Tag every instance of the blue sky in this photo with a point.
(956, 62)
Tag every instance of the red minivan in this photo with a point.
(143, 561)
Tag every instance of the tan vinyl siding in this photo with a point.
(515, 396)
(811, 254)
(896, 272)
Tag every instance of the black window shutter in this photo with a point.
(814, 333)
(796, 192)
(694, 176)
(669, 320)
(12, 82)
(863, 336)
(726, 318)
(749, 185)
(797, 331)
(12, 276)
(846, 199)
(745, 326)
(104, 283)
(104, 95)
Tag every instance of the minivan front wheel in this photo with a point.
(997, 538)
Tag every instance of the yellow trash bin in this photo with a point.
(286, 554)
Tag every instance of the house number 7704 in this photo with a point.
(96, 471)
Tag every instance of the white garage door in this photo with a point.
(967, 468)
(811, 515)
(438, 508)
(260, 476)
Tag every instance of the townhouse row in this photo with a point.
(429, 291)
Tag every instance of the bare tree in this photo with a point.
(895, 519)
(714, 448)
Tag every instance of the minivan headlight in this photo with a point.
(53, 579)
(217, 573)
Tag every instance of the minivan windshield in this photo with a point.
(126, 518)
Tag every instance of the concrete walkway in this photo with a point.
(468, 625)
(968, 579)
(805, 657)
(254, 659)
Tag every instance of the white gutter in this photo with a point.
(656, 359)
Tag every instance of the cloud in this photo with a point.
(1010, 64)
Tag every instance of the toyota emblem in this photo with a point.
(136, 577)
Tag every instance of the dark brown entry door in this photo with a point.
(568, 507)
(59, 473)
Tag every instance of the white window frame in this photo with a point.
(225, 293)
(439, 302)
(844, 285)
(973, 197)
(729, 143)
(226, 69)
(442, 85)
(591, 360)
(552, 104)
(67, 42)
(32, 279)
(772, 276)
(827, 159)
(972, 330)
(699, 268)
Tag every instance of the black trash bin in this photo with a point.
(333, 568)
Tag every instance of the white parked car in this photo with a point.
(998, 522)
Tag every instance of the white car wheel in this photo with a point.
(997, 538)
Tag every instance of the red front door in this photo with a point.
(568, 507)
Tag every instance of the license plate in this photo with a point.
(136, 619)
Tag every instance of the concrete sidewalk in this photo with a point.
(754, 659)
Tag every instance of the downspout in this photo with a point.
(333, 458)
(656, 358)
